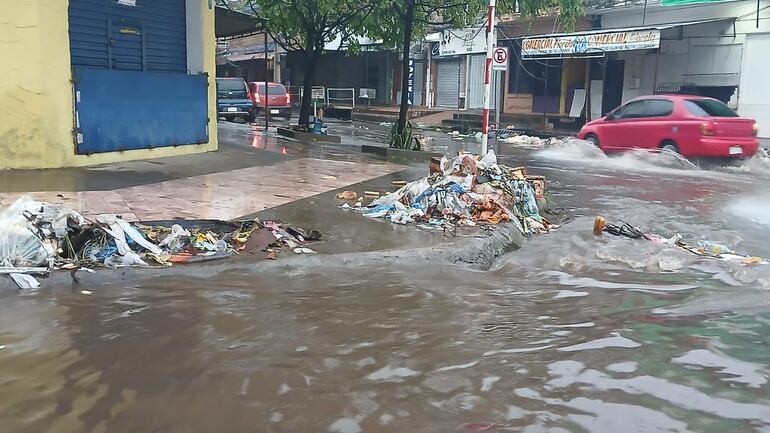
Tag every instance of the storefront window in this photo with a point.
(534, 77)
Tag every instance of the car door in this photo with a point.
(615, 132)
(654, 123)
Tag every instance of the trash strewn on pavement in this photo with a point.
(37, 238)
(522, 140)
(703, 248)
(525, 141)
(467, 191)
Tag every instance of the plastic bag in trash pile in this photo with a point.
(30, 231)
(36, 234)
(467, 190)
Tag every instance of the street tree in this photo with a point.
(306, 26)
(399, 23)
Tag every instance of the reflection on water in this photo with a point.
(571, 333)
(387, 350)
(753, 208)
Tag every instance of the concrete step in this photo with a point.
(473, 117)
(413, 112)
(374, 117)
(386, 116)
(461, 125)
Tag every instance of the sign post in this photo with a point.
(316, 93)
(500, 59)
(499, 65)
(491, 37)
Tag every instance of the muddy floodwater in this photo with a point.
(570, 333)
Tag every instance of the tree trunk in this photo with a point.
(404, 105)
(306, 108)
(312, 52)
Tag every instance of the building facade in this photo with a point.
(251, 57)
(348, 73)
(97, 81)
(717, 49)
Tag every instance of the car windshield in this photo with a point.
(708, 108)
(275, 89)
(231, 85)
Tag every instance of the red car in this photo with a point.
(694, 126)
(279, 102)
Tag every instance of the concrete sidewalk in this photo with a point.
(258, 175)
(251, 172)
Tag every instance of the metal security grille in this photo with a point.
(476, 81)
(476, 65)
(449, 80)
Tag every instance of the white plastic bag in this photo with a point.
(490, 159)
(175, 241)
(129, 259)
(19, 245)
(119, 228)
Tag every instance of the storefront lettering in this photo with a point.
(592, 43)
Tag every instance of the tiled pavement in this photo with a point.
(223, 195)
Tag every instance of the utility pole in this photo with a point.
(267, 88)
(491, 37)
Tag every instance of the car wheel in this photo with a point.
(591, 138)
(669, 146)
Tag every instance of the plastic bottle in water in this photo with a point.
(714, 249)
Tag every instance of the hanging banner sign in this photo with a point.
(466, 41)
(410, 83)
(592, 43)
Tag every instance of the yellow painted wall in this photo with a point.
(36, 100)
(573, 73)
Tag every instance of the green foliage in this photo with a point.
(306, 26)
(388, 21)
(299, 25)
(569, 10)
(405, 139)
(399, 23)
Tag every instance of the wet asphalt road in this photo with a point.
(570, 333)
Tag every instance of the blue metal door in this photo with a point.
(132, 89)
(126, 45)
(126, 110)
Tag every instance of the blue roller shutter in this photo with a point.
(147, 37)
(131, 84)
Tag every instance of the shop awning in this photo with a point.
(229, 23)
(595, 43)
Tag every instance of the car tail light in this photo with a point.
(256, 97)
(755, 129)
(707, 128)
(288, 101)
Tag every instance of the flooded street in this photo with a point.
(570, 333)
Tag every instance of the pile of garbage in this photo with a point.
(465, 191)
(524, 141)
(37, 238)
(702, 248)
